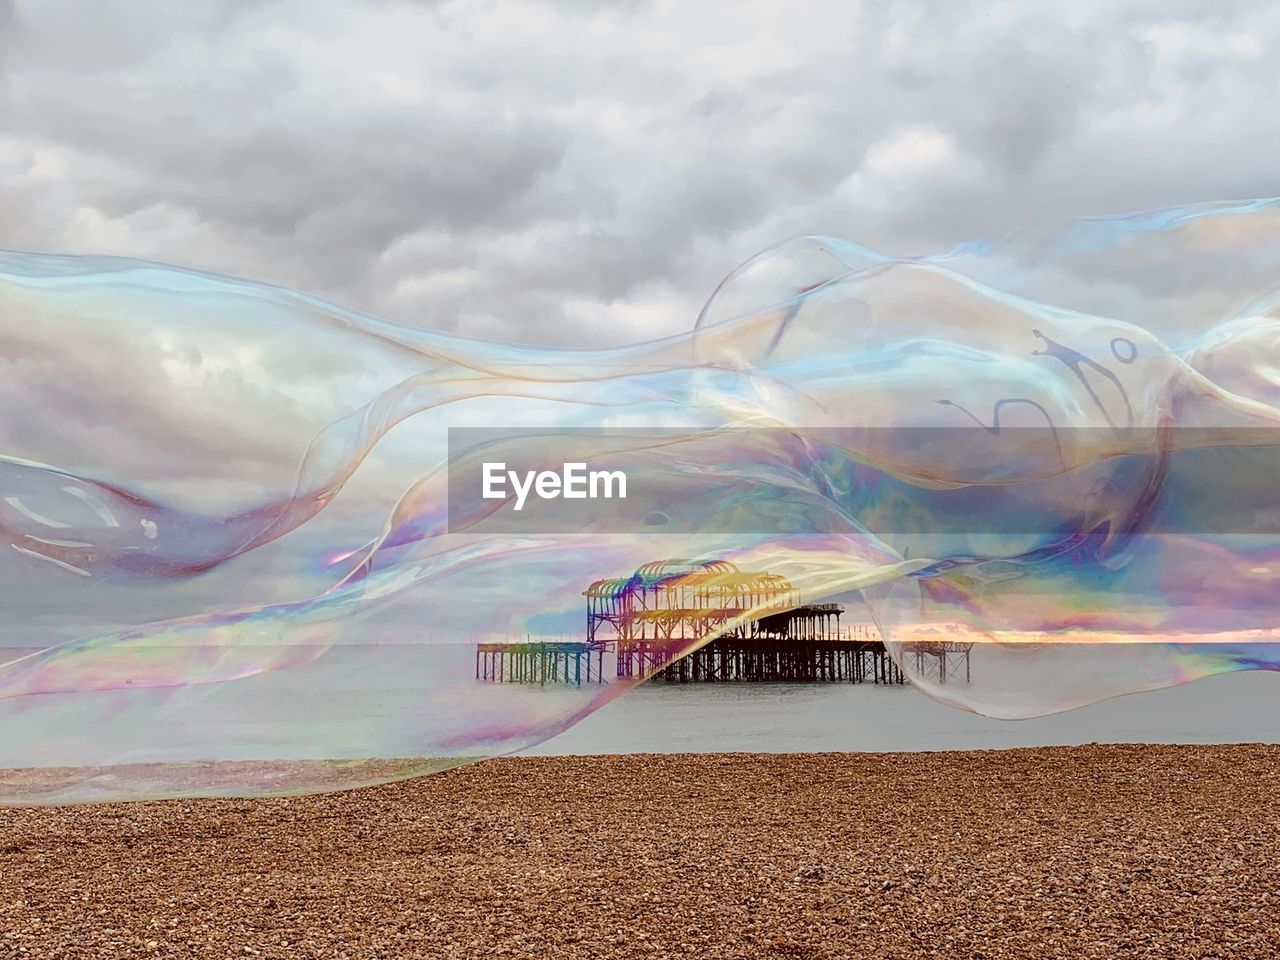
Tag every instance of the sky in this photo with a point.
(584, 173)
(564, 173)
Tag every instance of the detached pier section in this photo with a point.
(941, 661)
(540, 663)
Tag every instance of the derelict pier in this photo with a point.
(656, 624)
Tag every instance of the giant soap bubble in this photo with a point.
(236, 559)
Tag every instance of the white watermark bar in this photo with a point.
(1047, 484)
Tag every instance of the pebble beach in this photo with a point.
(1070, 852)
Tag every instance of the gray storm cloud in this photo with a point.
(586, 173)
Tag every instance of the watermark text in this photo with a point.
(573, 482)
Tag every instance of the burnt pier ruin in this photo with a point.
(681, 621)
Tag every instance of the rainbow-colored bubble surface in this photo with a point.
(231, 564)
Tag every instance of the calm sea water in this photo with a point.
(380, 700)
(784, 718)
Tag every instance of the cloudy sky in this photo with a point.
(578, 172)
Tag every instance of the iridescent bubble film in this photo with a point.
(233, 563)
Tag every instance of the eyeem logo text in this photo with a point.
(573, 482)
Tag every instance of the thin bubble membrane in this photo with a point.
(1038, 467)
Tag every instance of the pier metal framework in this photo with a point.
(678, 603)
(693, 621)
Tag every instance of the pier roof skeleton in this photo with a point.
(681, 602)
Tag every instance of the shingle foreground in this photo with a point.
(1095, 851)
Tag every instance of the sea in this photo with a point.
(820, 717)
(359, 702)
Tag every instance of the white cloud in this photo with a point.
(498, 168)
